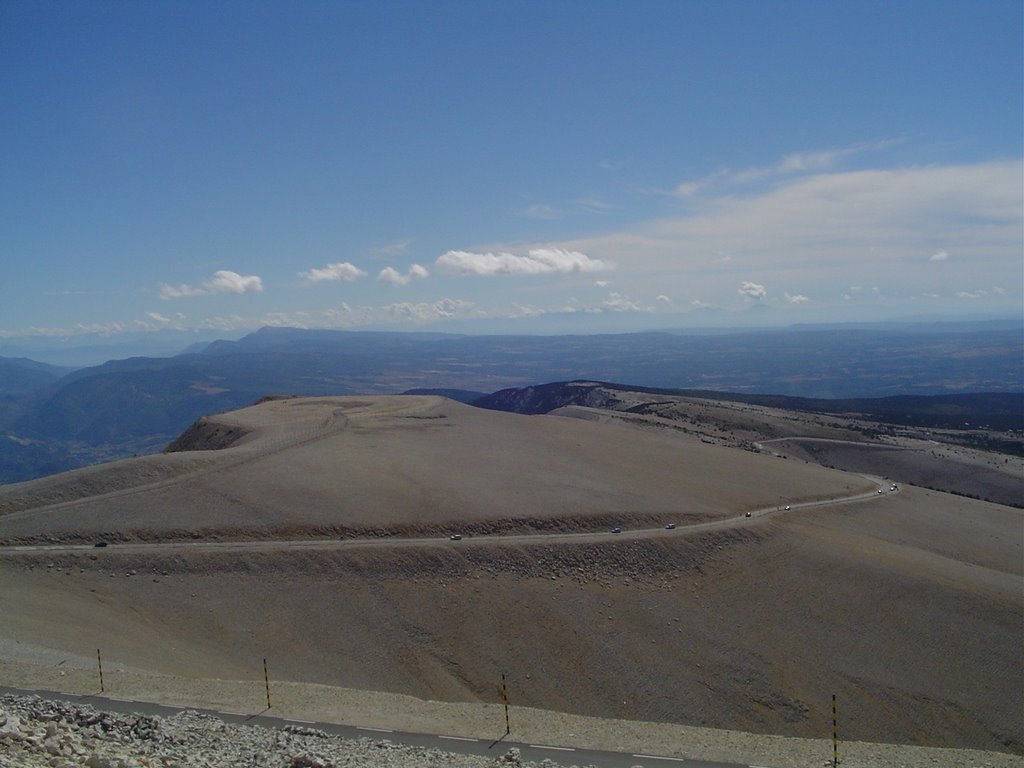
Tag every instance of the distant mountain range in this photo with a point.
(52, 419)
(1002, 411)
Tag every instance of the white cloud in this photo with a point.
(226, 281)
(698, 304)
(792, 164)
(394, 277)
(938, 256)
(808, 162)
(619, 303)
(752, 290)
(595, 205)
(831, 215)
(542, 211)
(346, 316)
(341, 270)
(526, 310)
(540, 261)
(223, 281)
(158, 317)
(832, 230)
(663, 298)
(229, 323)
(425, 312)
(688, 188)
(286, 319)
(182, 291)
(797, 299)
(978, 294)
(602, 283)
(397, 248)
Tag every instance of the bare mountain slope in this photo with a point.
(413, 465)
(906, 604)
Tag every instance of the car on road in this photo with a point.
(616, 529)
(788, 507)
(100, 544)
(748, 514)
(456, 537)
(670, 527)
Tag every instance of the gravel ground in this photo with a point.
(36, 732)
(191, 739)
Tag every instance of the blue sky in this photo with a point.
(531, 166)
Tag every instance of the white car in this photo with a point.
(788, 507)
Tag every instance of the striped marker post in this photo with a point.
(835, 734)
(99, 663)
(504, 697)
(266, 681)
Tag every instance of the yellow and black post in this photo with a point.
(504, 697)
(99, 663)
(266, 681)
(835, 734)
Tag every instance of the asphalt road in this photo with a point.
(513, 539)
(457, 744)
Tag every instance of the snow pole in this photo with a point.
(504, 697)
(835, 734)
(266, 681)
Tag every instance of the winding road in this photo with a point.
(264, 545)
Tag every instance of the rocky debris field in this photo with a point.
(35, 732)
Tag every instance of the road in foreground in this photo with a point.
(455, 744)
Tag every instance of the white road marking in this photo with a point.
(233, 714)
(304, 722)
(376, 730)
(456, 738)
(546, 746)
(659, 757)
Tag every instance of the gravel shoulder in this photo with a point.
(26, 666)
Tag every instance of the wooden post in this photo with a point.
(504, 696)
(266, 681)
(835, 735)
(99, 663)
